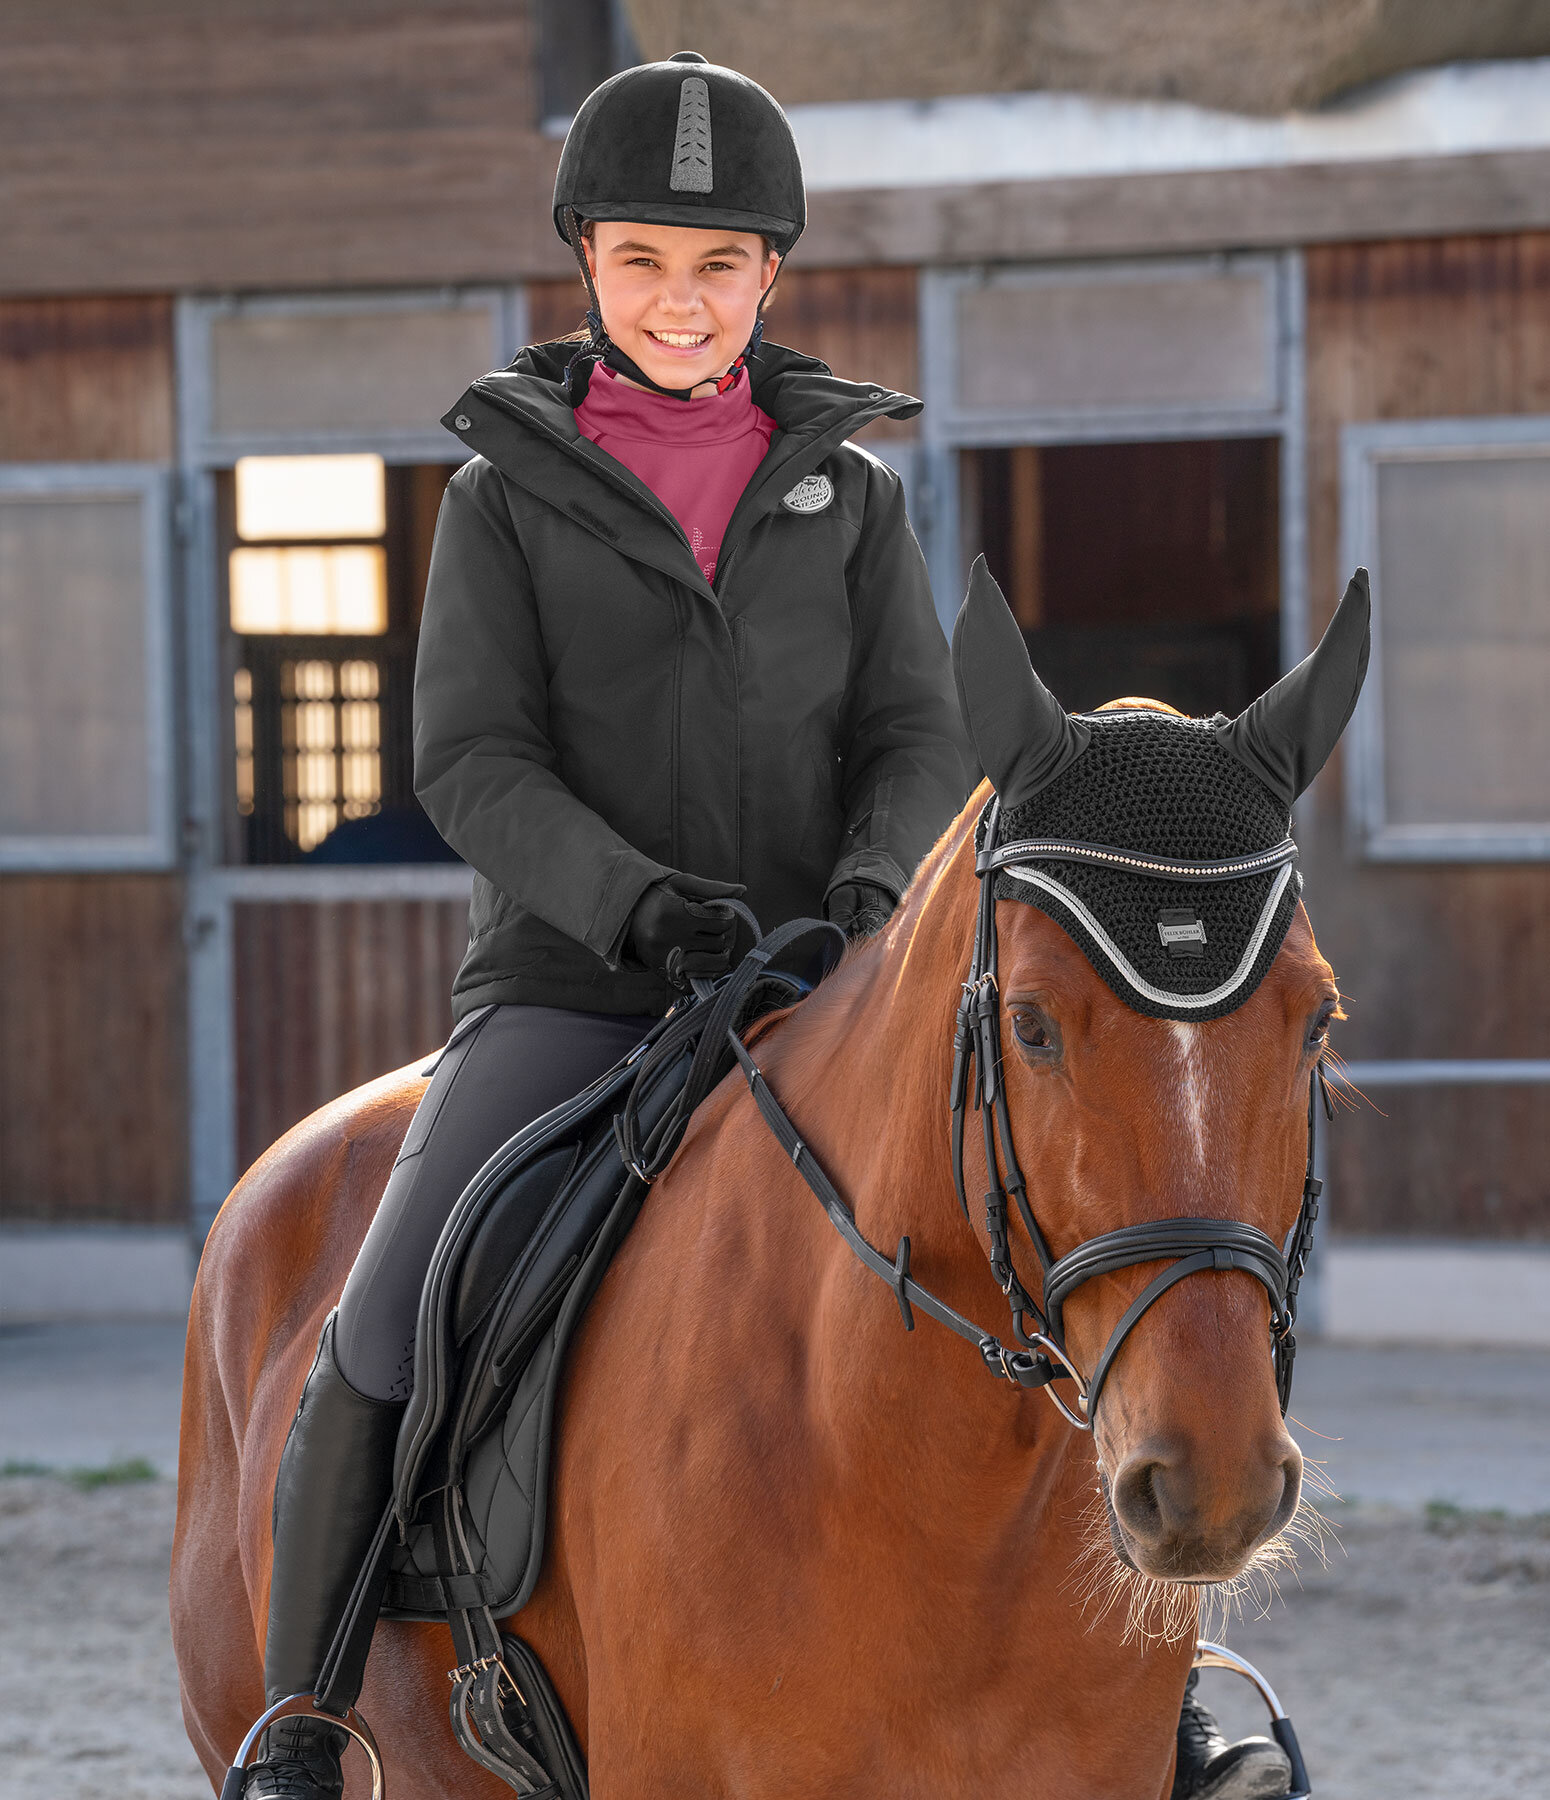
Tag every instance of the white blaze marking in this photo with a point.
(1193, 1082)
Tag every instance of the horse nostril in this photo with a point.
(1291, 1489)
(1134, 1495)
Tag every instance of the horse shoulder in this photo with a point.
(273, 1265)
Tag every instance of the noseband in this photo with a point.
(1189, 1245)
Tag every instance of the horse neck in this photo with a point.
(863, 1069)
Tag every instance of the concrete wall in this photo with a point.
(1245, 55)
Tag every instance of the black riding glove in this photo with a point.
(859, 908)
(672, 931)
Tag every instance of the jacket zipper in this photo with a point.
(676, 753)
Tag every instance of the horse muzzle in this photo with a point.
(1178, 1516)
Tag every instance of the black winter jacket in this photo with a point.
(590, 713)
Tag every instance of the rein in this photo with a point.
(1190, 1245)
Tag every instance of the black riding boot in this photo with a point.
(336, 1475)
(1209, 1768)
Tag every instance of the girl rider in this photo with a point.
(678, 645)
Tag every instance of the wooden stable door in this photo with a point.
(330, 994)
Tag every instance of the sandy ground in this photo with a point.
(1414, 1665)
(88, 1691)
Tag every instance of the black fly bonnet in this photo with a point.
(1162, 846)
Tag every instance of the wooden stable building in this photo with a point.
(1174, 401)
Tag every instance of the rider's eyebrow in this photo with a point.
(630, 248)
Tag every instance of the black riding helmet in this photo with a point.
(681, 142)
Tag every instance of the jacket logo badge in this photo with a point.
(811, 494)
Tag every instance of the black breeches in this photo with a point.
(502, 1068)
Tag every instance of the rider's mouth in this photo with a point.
(683, 342)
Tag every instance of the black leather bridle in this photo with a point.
(1189, 1245)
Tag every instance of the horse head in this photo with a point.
(1163, 1012)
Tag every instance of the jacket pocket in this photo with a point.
(820, 834)
(489, 909)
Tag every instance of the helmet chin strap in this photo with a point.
(600, 347)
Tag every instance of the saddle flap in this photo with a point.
(503, 1235)
(556, 1244)
(457, 1296)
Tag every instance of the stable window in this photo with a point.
(1123, 440)
(325, 560)
(1136, 569)
(1450, 751)
(85, 716)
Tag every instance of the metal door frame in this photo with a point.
(214, 888)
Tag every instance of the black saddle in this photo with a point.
(517, 1262)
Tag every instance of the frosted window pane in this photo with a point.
(1090, 344)
(74, 751)
(1465, 560)
(273, 374)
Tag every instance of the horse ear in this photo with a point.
(1022, 734)
(1286, 736)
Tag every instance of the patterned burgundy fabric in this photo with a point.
(696, 456)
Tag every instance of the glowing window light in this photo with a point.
(335, 590)
(310, 497)
(331, 736)
(242, 730)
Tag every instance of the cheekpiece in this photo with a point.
(1163, 857)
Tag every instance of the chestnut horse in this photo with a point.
(794, 1551)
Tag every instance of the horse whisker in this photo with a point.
(1158, 1611)
(1316, 1476)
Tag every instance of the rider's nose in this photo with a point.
(1189, 1519)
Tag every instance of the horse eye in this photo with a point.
(1319, 1031)
(1031, 1031)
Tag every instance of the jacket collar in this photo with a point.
(814, 411)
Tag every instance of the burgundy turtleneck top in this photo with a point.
(696, 456)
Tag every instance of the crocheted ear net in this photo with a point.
(1160, 785)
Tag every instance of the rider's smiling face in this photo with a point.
(680, 302)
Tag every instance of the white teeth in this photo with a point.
(681, 340)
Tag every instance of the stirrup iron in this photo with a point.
(303, 1706)
(1215, 1656)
